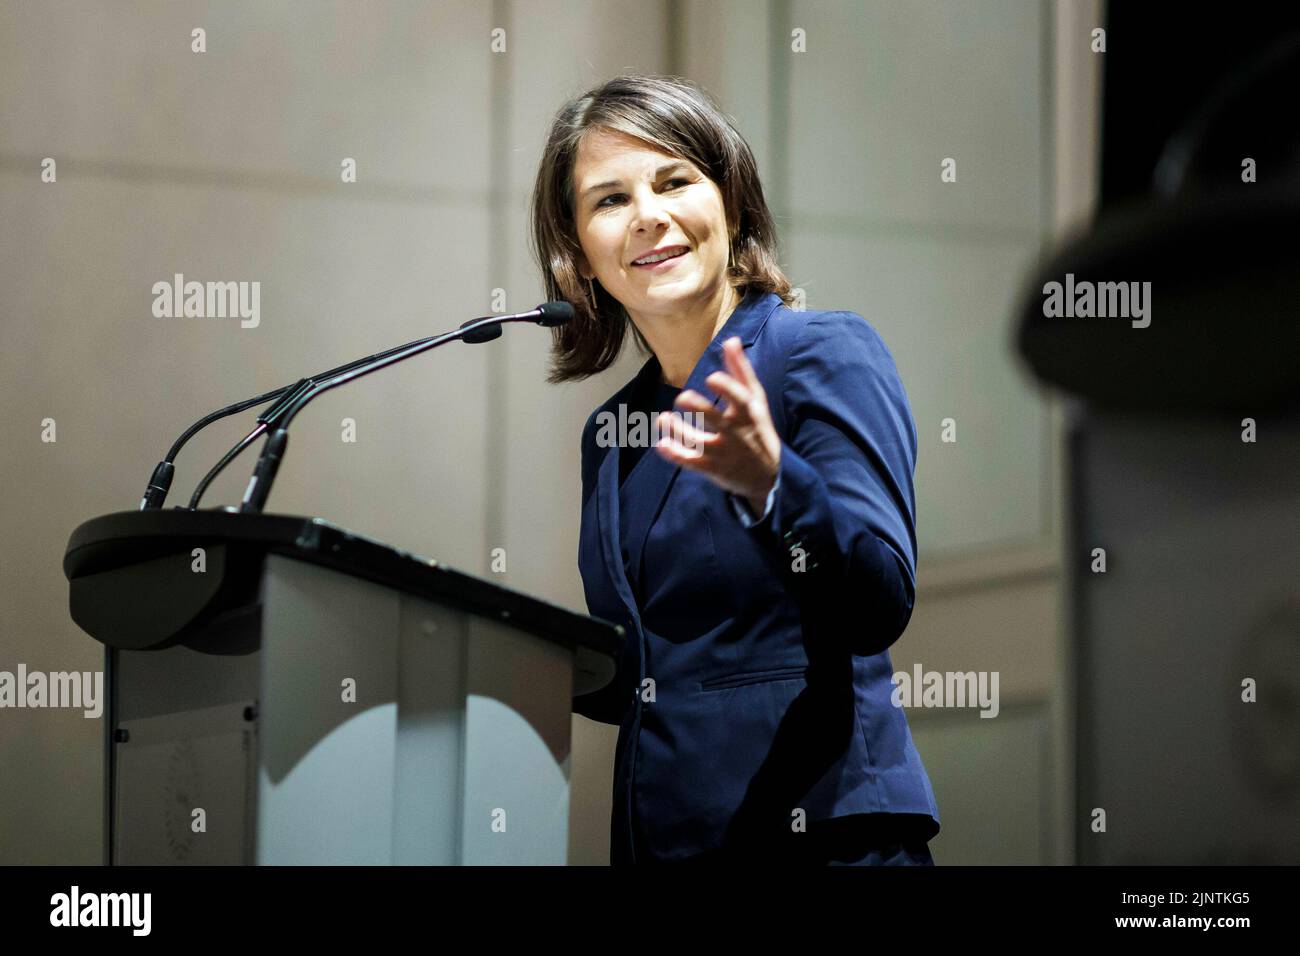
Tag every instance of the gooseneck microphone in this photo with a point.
(484, 329)
(475, 331)
(548, 315)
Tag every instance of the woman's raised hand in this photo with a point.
(742, 451)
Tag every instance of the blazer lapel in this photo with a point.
(607, 526)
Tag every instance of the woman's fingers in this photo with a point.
(677, 453)
(737, 395)
(738, 362)
(735, 453)
(693, 439)
(692, 401)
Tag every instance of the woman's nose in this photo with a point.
(648, 209)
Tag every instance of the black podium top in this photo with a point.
(131, 585)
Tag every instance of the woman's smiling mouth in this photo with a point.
(661, 259)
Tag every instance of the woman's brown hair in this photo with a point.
(675, 116)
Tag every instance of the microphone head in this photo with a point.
(554, 313)
(483, 333)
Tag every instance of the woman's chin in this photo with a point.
(666, 286)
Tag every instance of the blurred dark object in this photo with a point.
(1221, 254)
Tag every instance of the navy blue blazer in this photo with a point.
(755, 680)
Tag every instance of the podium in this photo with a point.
(284, 691)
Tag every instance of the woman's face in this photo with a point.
(633, 199)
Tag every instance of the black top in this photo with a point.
(660, 401)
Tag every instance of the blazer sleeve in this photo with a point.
(842, 526)
(608, 704)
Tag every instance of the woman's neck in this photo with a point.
(679, 345)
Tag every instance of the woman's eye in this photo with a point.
(684, 182)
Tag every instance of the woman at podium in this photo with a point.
(762, 553)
